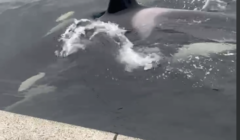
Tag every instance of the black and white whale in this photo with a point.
(132, 16)
(91, 89)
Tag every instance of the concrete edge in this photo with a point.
(20, 127)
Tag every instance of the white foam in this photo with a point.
(217, 5)
(133, 59)
(74, 39)
(228, 54)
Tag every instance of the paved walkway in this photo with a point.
(19, 127)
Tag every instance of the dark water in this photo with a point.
(90, 89)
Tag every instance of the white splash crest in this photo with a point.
(74, 38)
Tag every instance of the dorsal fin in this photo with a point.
(115, 6)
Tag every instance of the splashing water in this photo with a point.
(192, 60)
(214, 5)
(75, 38)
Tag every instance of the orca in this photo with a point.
(92, 90)
(143, 20)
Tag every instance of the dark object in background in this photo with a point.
(115, 6)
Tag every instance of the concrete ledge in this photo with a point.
(20, 127)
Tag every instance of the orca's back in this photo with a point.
(115, 6)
